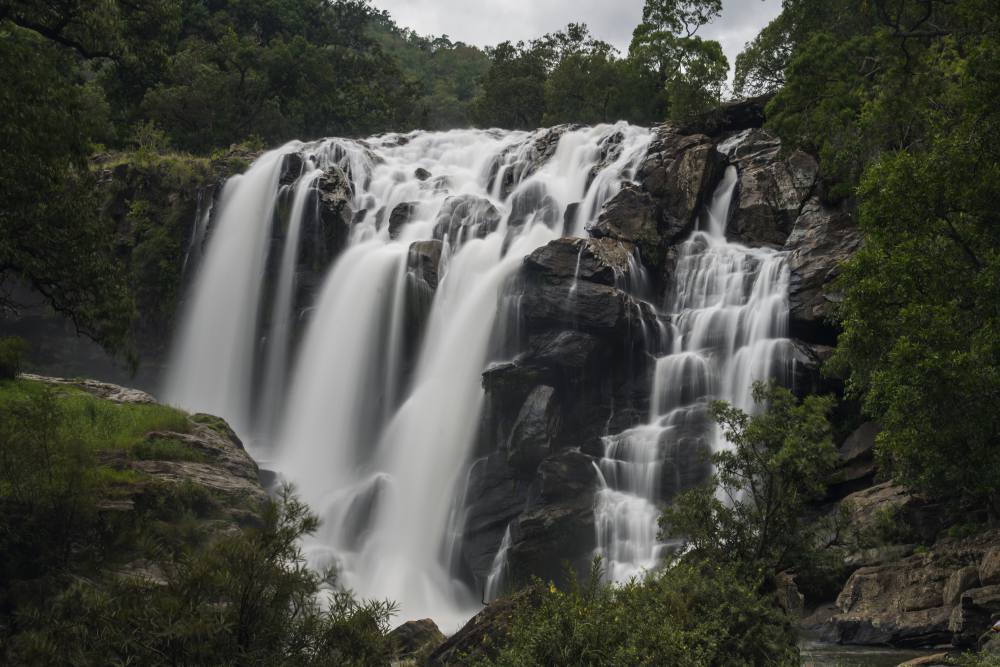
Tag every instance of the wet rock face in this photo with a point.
(424, 260)
(601, 261)
(466, 216)
(680, 172)
(331, 231)
(820, 241)
(771, 190)
(558, 519)
(630, 217)
(400, 215)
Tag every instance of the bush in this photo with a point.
(12, 349)
(246, 599)
(688, 615)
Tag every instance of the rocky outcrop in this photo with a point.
(465, 216)
(584, 368)
(413, 639)
(630, 217)
(924, 599)
(771, 190)
(820, 241)
(856, 468)
(400, 215)
(203, 453)
(679, 173)
(485, 632)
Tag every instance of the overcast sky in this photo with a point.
(487, 22)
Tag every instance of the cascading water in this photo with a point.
(729, 313)
(380, 414)
(212, 362)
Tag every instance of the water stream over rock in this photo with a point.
(376, 412)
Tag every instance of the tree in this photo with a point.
(690, 71)
(905, 128)
(513, 94)
(52, 237)
(750, 514)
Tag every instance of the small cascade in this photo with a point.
(729, 312)
(212, 362)
(499, 575)
(377, 416)
(279, 337)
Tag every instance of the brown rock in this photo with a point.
(989, 568)
(413, 638)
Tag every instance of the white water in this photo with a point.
(729, 310)
(212, 361)
(376, 438)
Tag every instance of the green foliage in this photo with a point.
(12, 351)
(247, 598)
(906, 124)
(446, 73)
(750, 513)
(51, 234)
(688, 615)
(166, 449)
(978, 660)
(690, 71)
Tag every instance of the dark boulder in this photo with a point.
(679, 172)
(534, 429)
(486, 632)
(856, 467)
(558, 520)
(326, 235)
(423, 261)
(601, 261)
(465, 216)
(532, 200)
(400, 215)
(630, 216)
(495, 497)
(729, 117)
(292, 166)
(421, 174)
(771, 190)
(414, 638)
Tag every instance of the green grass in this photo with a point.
(165, 449)
(100, 424)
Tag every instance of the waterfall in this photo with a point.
(211, 367)
(729, 311)
(377, 422)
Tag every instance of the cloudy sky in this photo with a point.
(486, 22)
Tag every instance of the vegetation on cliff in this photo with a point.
(116, 551)
(906, 126)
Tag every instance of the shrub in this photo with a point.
(12, 349)
(687, 615)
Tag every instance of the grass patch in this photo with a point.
(165, 449)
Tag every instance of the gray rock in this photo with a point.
(535, 428)
(821, 240)
(958, 583)
(771, 190)
(400, 215)
(421, 174)
(631, 217)
(330, 232)
(989, 568)
(465, 216)
(604, 261)
(424, 260)
(559, 519)
(414, 638)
